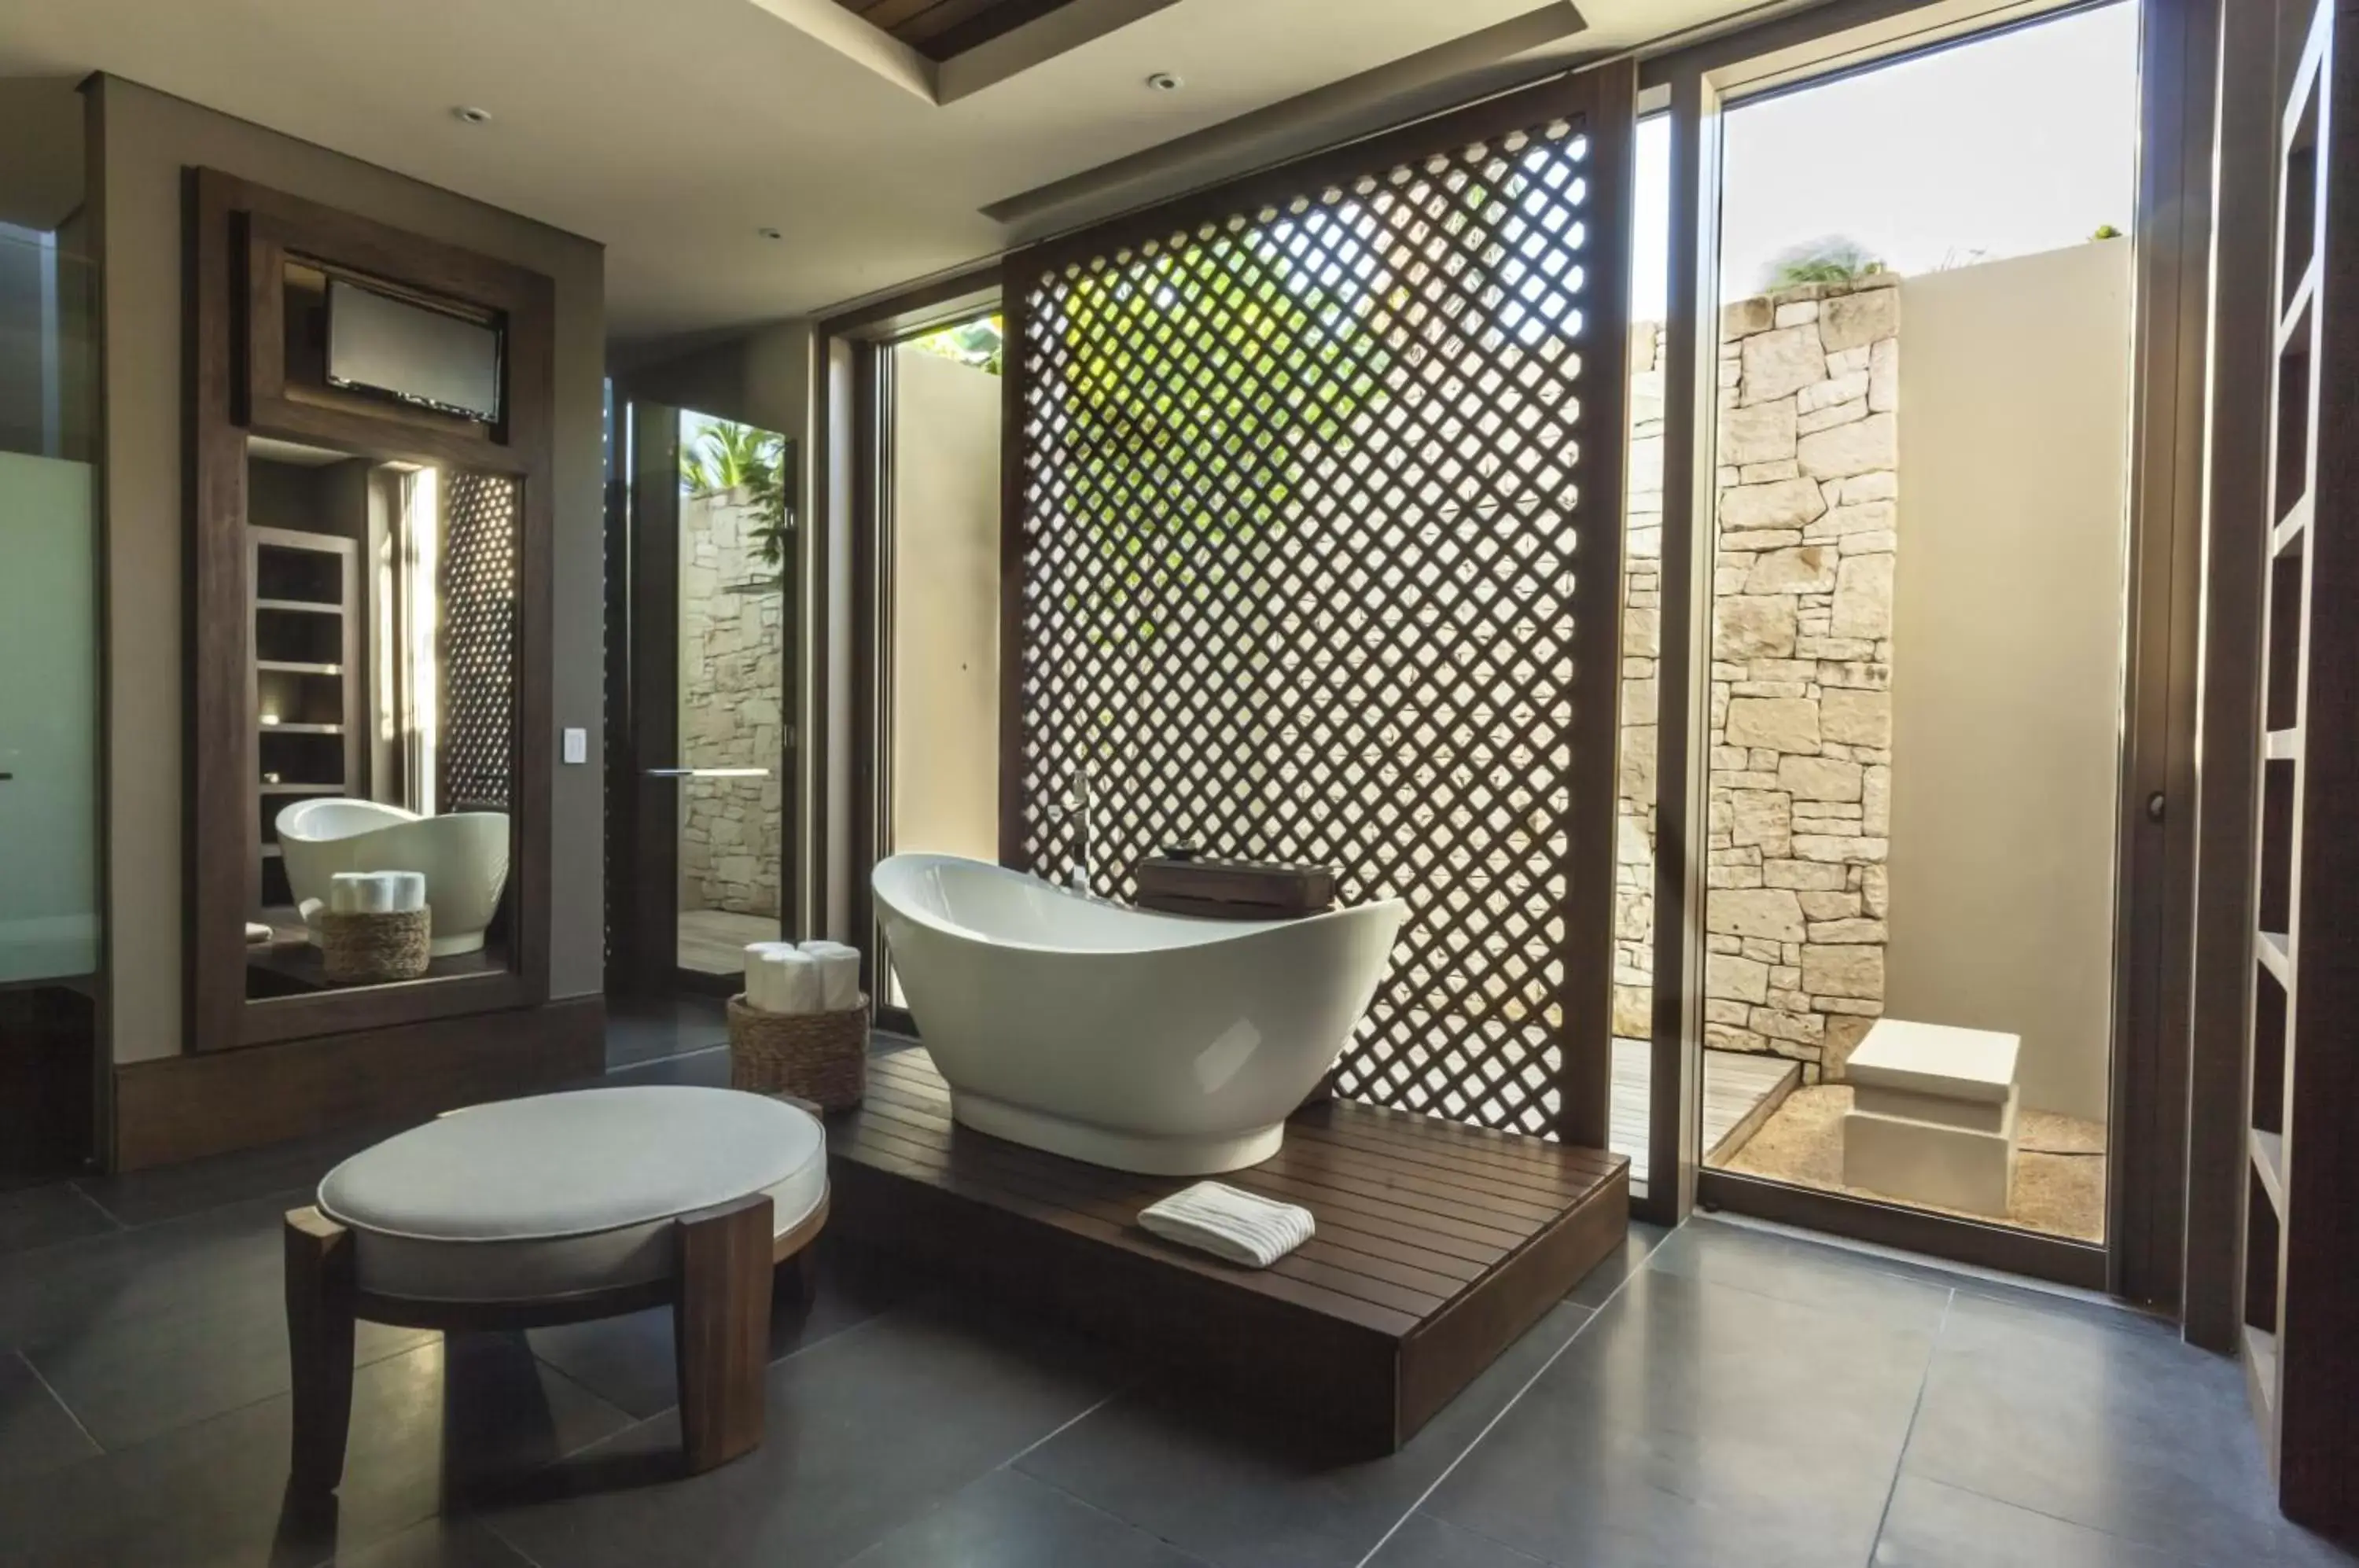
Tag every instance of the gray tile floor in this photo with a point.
(1720, 1395)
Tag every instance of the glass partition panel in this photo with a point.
(49, 613)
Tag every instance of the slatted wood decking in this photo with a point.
(1437, 1246)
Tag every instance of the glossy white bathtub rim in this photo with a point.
(1144, 1041)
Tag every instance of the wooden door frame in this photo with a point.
(642, 813)
(2154, 881)
(863, 340)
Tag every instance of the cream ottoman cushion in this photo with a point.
(525, 1199)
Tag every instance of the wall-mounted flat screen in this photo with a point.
(379, 344)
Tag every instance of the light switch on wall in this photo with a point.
(577, 745)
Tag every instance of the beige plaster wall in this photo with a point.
(2006, 689)
(946, 607)
(141, 141)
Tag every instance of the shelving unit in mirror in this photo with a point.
(310, 717)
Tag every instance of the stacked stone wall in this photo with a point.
(731, 684)
(1800, 769)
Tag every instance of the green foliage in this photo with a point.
(726, 457)
(981, 343)
(2106, 231)
(1177, 464)
(1830, 259)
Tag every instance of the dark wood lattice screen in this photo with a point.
(1315, 488)
(475, 753)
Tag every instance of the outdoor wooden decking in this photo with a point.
(1437, 1246)
(1741, 1090)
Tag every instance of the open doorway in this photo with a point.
(938, 600)
(1919, 597)
(699, 656)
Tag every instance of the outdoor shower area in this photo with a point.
(1918, 582)
(735, 481)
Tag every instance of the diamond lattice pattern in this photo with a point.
(476, 751)
(1299, 518)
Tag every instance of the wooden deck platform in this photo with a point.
(1437, 1246)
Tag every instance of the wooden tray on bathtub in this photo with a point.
(1232, 890)
(1438, 1244)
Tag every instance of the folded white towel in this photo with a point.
(1234, 1226)
(780, 980)
(839, 973)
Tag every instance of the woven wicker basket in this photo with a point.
(367, 950)
(819, 1057)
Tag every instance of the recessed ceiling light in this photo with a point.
(770, 234)
(1165, 81)
(469, 115)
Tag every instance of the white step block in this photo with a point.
(1936, 1059)
(1926, 1163)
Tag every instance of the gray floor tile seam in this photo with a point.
(59, 1401)
(1966, 1278)
(1916, 1408)
(489, 1528)
(1066, 1492)
(105, 1213)
(1932, 1341)
(1480, 1534)
(632, 1423)
(1065, 1426)
(439, 1508)
(299, 1194)
(1930, 1274)
(2050, 1515)
(1512, 1401)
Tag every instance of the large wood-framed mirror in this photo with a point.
(370, 603)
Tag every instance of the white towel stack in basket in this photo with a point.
(797, 979)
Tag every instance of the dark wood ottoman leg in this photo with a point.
(803, 1275)
(319, 1346)
(720, 1330)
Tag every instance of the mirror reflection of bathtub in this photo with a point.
(463, 857)
(384, 688)
(1144, 1041)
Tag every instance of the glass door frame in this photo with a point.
(2141, 1257)
(644, 773)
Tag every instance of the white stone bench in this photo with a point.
(1933, 1116)
(554, 1209)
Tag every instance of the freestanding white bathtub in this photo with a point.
(1144, 1041)
(463, 856)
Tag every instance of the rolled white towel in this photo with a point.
(839, 973)
(1231, 1224)
(759, 988)
(780, 980)
(406, 891)
(361, 893)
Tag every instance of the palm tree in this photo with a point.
(726, 457)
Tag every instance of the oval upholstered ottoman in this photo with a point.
(553, 1209)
